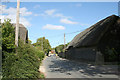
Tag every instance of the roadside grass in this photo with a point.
(42, 76)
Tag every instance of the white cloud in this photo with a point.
(25, 22)
(78, 5)
(2, 8)
(24, 12)
(36, 6)
(40, 15)
(61, 15)
(2, 18)
(53, 27)
(12, 11)
(11, 14)
(66, 21)
(50, 12)
(36, 14)
(83, 24)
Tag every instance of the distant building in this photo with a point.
(91, 44)
(52, 51)
(23, 33)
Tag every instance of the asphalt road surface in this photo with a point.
(56, 67)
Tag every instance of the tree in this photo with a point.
(29, 41)
(8, 36)
(0, 40)
(23, 65)
(43, 44)
(60, 48)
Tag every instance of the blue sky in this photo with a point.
(53, 19)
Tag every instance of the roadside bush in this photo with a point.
(40, 54)
(21, 62)
(9, 60)
(8, 36)
(59, 49)
(23, 65)
(111, 55)
(27, 64)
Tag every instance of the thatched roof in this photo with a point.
(23, 32)
(92, 35)
(20, 25)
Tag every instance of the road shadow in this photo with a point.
(65, 66)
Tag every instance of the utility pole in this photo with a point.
(17, 23)
(64, 40)
(42, 43)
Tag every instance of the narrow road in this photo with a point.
(63, 68)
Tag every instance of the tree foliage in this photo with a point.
(43, 44)
(0, 50)
(60, 48)
(111, 55)
(29, 41)
(8, 36)
(23, 65)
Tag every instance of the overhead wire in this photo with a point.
(61, 36)
(65, 34)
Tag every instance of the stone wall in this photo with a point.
(101, 35)
(82, 54)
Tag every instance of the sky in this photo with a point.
(52, 19)
(62, 0)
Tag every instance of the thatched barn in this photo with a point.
(96, 42)
(23, 33)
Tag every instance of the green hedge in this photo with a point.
(23, 65)
(22, 62)
(111, 55)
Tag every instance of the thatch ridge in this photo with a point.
(92, 35)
